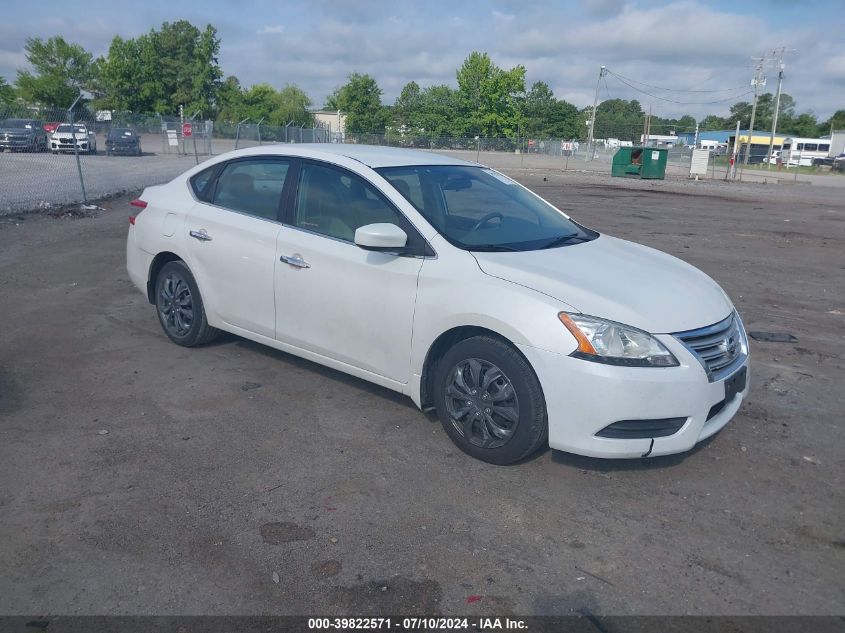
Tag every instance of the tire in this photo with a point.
(179, 307)
(503, 422)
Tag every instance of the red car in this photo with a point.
(51, 127)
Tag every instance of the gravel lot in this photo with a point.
(227, 468)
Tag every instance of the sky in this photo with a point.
(687, 45)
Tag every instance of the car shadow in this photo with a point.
(559, 457)
(301, 363)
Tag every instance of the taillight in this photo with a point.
(140, 204)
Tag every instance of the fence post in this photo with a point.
(76, 149)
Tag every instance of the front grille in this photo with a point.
(720, 348)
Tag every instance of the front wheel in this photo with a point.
(179, 306)
(490, 401)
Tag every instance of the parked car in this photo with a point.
(25, 135)
(827, 161)
(123, 140)
(447, 281)
(63, 139)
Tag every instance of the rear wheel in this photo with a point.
(179, 306)
(489, 401)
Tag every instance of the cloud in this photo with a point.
(271, 30)
(834, 68)
(679, 44)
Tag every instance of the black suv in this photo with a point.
(122, 140)
(25, 135)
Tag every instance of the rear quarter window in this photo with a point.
(201, 182)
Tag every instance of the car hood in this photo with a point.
(15, 130)
(79, 135)
(617, 280)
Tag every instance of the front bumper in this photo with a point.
(124, 148)
(17, 143)
(67, 146)
(583, 397)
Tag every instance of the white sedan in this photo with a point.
(451, 283)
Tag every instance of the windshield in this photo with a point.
(479, 209)
(19, 124)
(65, 129)
(119, 133)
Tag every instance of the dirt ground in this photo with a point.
(137, 477)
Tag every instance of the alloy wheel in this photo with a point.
(482, 403)
(175, 305)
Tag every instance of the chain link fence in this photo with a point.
(53, 158)
(57, 158)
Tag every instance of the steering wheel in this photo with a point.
(490, 216)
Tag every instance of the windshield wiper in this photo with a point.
(489, 248)
(564, 239)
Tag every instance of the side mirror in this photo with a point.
(382, 237)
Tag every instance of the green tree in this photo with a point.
(293, 107)
(713, 122)
(124, 82)
(490, 98)
(740, 112)
(262, 101)
(619, 118)
(230, 97)
(561, 121)
(538, 103)
(407, 106)
(546, 116)
(835, 122)
(161, 70)
(805, 124)
(7, 93)
(61, 71)
(360, 99)
(438, 112)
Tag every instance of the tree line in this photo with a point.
(177, 65)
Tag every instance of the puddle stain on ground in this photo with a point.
(326, 569)
(285, 532)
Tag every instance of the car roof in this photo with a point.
(371, 155)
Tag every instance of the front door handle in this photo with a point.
(201, 235)
(295, 260)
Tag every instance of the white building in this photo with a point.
(336, 122)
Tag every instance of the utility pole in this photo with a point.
(759, 80)
(734, 154)
(602, 72)
(777, 106)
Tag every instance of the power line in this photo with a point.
(642, 83)
(675, 101)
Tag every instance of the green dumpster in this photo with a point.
(640, 162)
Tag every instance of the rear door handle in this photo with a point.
(295, 260)
(201, 235)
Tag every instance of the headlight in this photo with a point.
(612, 343)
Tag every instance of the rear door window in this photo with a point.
(253, 187)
